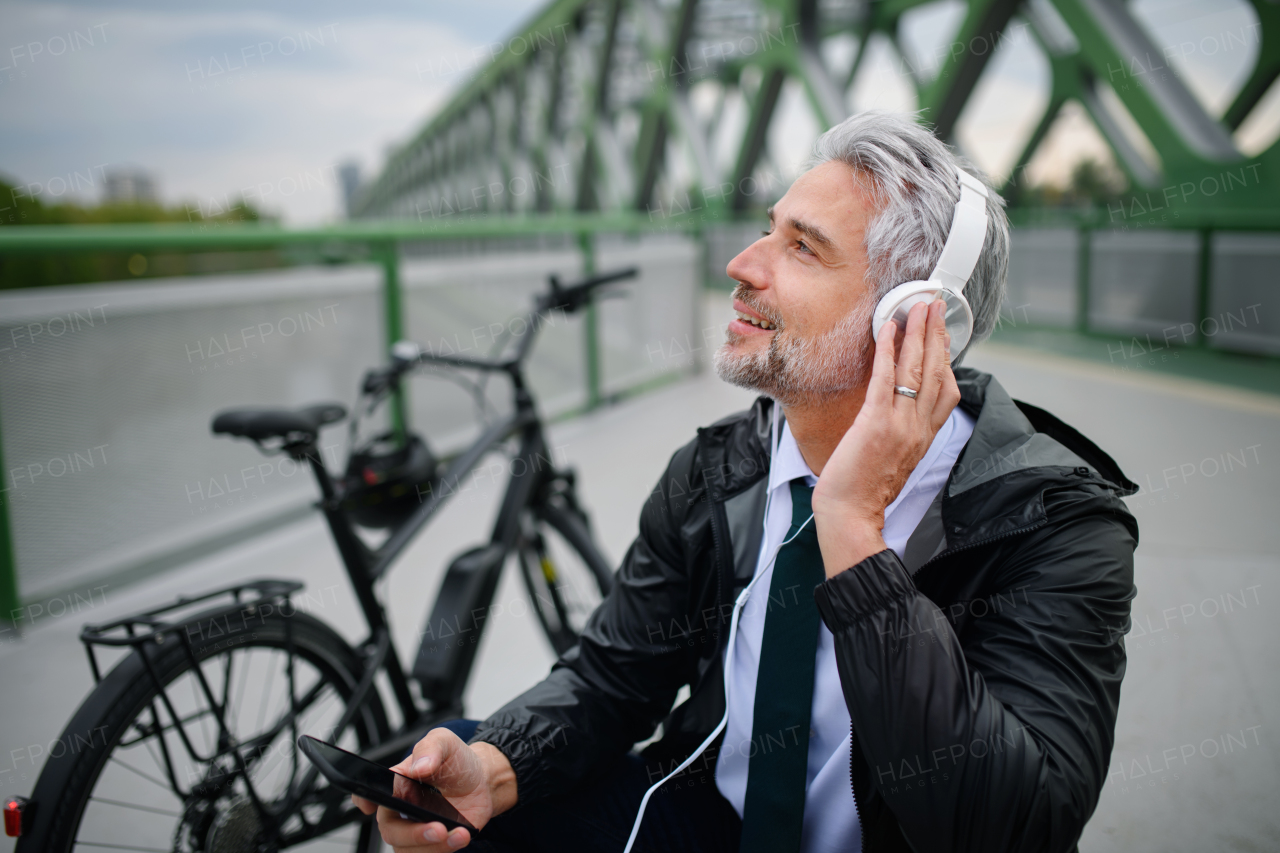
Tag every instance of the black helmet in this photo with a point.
(385, 483)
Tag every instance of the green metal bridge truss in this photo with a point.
(617, 105)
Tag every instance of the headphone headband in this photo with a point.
(968, 233)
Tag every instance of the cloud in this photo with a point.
(239, 101)
(228, 103)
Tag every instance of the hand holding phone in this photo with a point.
(415, 801)
(477, 782)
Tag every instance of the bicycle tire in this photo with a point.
(68, 783)
(563, 592)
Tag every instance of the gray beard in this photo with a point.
(795, 370)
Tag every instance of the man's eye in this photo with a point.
(803, 247)
(766, 232)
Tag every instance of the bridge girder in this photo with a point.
(667, 106)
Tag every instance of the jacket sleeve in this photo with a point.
(997, 738)
(610, 690)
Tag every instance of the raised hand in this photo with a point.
(889, 437)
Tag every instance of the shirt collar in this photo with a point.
(788, 463)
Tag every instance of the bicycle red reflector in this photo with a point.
(13, 809)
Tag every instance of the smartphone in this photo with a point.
(349, 772)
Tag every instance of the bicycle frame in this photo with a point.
(365, 566)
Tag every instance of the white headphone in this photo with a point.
(955, 265)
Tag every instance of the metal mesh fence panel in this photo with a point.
(1142, 282)
(1242, 310)
(1043, 265)
(107, 393)
(476, 306)
(651, 328)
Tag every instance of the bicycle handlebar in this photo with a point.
(570, 299)
(406, 355)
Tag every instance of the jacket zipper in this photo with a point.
(857, 809)
(953, 551)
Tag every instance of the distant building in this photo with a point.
(349, 178)
(130, 186)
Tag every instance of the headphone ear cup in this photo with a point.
(897, 304)
(959, 318)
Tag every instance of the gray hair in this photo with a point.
(912, 178)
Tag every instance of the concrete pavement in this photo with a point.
(1197, 757)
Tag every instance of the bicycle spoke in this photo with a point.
(244, 677)
(136, 806)
(289, 717)
(156, 728)
(159, 762)
(268, 767)
(151, 779)
(263, 704)
(120, 847)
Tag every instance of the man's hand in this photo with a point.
(888, 439)
(476, 779)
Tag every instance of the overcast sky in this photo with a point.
(223, 100)
(313, 83)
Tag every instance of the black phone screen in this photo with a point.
(415, 800)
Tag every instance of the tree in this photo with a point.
(18, 209)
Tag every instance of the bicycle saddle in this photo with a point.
(260, 424)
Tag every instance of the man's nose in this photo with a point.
(749, 266)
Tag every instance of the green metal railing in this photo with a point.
(378, 242)
(1204, 223)
(9, 604)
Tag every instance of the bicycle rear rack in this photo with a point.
(151, 626)
(245, 602)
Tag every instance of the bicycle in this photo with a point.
(222, 777)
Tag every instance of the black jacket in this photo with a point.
(982, 672)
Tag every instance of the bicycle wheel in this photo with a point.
(564, 572)
(152, 769)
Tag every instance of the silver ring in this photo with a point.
(904, 391)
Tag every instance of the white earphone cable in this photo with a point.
(775, 441)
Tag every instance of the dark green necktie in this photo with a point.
(773, 810)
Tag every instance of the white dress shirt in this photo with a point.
(830, 819)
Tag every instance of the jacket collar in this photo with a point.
(1006, 440)
(996, 486)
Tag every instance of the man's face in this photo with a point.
(802, 287)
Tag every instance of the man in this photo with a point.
(930, 657)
